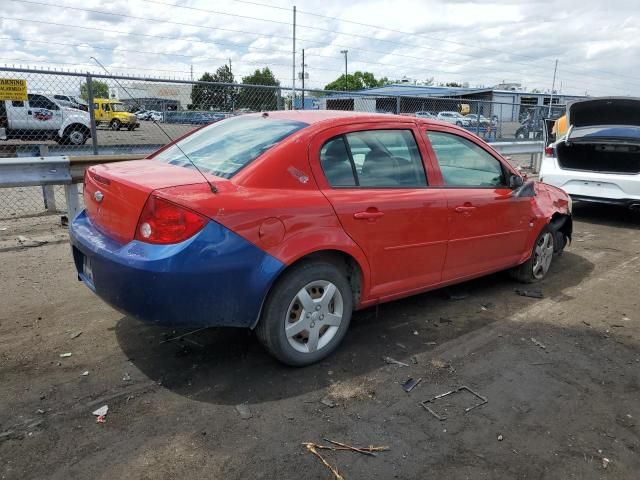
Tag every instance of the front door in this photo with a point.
(376, 183)
(489, 226)
(43, 113)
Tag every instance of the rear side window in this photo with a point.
(465, 164)
(374, 159)
(225, 147)
(38, 101)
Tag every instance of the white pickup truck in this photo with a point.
(40, 117)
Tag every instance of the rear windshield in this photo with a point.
(223, 148)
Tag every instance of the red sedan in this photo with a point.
(285, 222)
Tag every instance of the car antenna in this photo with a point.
(137, 105)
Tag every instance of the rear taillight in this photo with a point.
(163, 222)
(548, 152)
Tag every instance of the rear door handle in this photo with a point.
(368, 215)
(465, 209)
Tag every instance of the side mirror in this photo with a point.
(515, 181)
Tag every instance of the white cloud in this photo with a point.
(483, 42)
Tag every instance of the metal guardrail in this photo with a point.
(69, 170)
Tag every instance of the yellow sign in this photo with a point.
(13, 89)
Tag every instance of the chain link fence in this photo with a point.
(81, 113)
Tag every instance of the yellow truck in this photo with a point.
(112, 112)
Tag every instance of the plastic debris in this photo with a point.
(393, 361)
(85, 373)
(530, 293)
(243, 410)
(605, 462)
(500, 438)
(66, 355)
(126, 377)
(410, 384)
(538, 343)
(101, 414)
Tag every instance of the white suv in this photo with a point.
(598, 160)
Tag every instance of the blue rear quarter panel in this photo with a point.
(215, 278)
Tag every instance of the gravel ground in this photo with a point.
(561, 376)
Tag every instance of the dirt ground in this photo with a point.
(561, 375)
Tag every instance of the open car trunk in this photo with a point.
(600, 157)
(603, 136)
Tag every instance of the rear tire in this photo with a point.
(538, 265)
(307, 313)
(74, 136)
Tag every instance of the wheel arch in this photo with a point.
(356, 270)
(76, 126)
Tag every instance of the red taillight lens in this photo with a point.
(163, 222)
(548, 152)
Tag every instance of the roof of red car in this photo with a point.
(315, 116)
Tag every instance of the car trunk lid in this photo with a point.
(608, 111)
(115, 193)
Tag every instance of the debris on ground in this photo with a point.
(126, 377)
(530, 293)
(85, 373)
(392, 361)
(328, 401)
(431, 343)
(243, 410)
(101, 414)
(605, 462)
(76, 334)
(166, 340)
(343, 392)
(500, 438)
(66, 355)
(457, 295)
(445, 320)
(64, 221)
(486, 306)
(538, 343)
(451, 392)
(338, 446)
(410, 384)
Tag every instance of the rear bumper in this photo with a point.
(215, 278)
(584, 185)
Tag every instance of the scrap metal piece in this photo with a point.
(393, 361)
(530, 293)
(450, 392)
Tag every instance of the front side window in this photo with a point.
(465, 164)
(118, 107)
(373, 158)
(38, 101)
(224, 147)
(105, 107)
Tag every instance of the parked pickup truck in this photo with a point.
(113, 113)
(40, 117)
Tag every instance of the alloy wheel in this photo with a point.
(543, 254)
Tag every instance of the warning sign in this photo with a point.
(13, 89)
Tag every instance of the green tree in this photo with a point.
(205, 96)
(453, 84)
(256, 98)
(99, 90)
(356, 81)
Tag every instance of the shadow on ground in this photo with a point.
(228, 366)
(607, 215)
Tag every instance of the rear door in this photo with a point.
(374, 177)
(489, 226)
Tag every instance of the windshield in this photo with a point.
(118, 107)
(223, 148)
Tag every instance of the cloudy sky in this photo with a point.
(483, 43)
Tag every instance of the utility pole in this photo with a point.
(230, 71)
(553, 86)
(344, 52)
(303, 74)
(293, 64)
(192, 72)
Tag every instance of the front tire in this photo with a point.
(537, 267)
(307, 313)
(115, 125)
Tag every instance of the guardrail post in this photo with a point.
(92, 115)
(73, 204)
(48, 192)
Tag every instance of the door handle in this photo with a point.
(370, 215)
(28, 112)
(465, 209)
